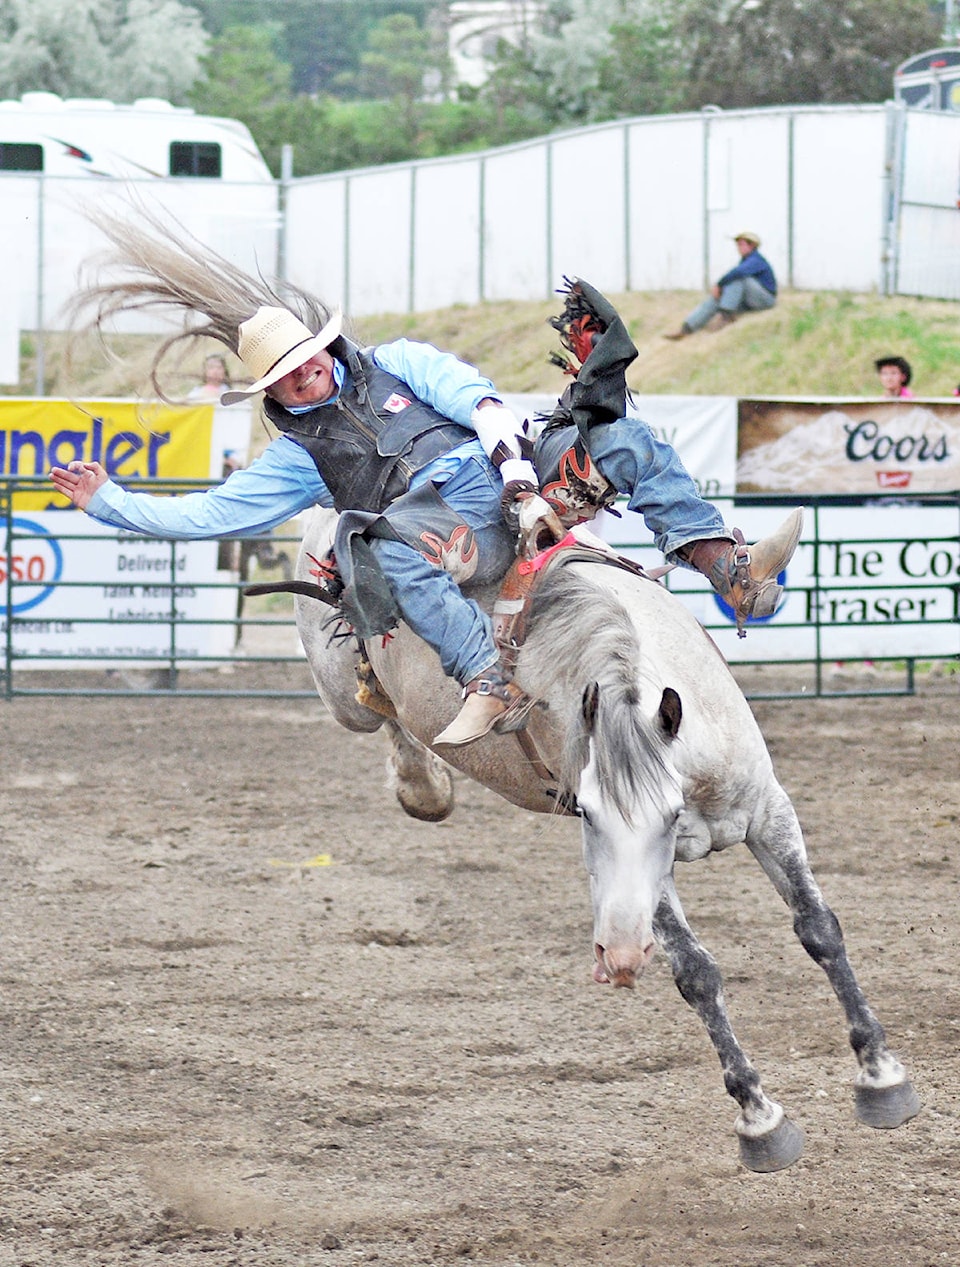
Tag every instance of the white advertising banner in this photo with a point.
(73, 589)
(848, 446)
(866, 582)
(703, 430)
(98, 593)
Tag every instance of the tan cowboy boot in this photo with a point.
(746, 576)
(491, 701)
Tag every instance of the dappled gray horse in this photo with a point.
(645, 734)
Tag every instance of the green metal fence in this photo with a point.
(257, 651)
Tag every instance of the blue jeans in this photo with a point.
(743, 295)
(646, 469)
(656, 484)
(430, 600)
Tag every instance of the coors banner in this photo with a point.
(848, 446)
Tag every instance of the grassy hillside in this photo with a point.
(811, 344)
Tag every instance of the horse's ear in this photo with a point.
(589, 705)
(670, 711)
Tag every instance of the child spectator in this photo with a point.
(895, 375)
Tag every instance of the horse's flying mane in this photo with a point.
(157, 265)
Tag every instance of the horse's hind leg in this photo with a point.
(884, 1095)
(768, 1139)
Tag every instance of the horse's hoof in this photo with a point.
(886, 1107)
(776, 1150)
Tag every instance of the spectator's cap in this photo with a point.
(902, 365)
(747, 235)
(272, 343)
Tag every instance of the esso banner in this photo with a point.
(79, 589)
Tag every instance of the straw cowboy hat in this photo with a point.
(272, 343)
(747, 236)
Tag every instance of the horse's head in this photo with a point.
(630, 800)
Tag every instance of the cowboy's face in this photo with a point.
(309, 384)
(745, 246)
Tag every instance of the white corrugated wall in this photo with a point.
(645, 204)
(853, 198)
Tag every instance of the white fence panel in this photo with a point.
(19, 197)
(240, 222)
(666, 238)
(588, 207)
(928, 247)
(929, 260)
(446, 243)
(516, 224)
(378, 248)
(932, 169)
(838, 193)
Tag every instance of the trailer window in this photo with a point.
(20, 157)
(195, 158)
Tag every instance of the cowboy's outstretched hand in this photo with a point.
(78, 481)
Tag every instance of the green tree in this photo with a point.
(770, 52)
(321, 40)
(121, 49)
(642, 72)
(592, 59)
(246, 80)
(243, 74)
(398, 64)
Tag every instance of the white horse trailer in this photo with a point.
(59, 156)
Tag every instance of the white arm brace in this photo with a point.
(498, 429)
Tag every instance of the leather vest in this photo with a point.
(370, 442)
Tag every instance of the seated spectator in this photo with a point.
(895, 375)
(748, 287)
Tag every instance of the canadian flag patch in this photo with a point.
(395, 403)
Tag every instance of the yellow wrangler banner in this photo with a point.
(132, 440)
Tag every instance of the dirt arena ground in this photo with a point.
(254, 1016)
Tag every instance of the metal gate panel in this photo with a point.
(928, 228)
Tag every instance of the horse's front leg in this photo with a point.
(421, 780)
(884, 1095)
(768, 1139)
